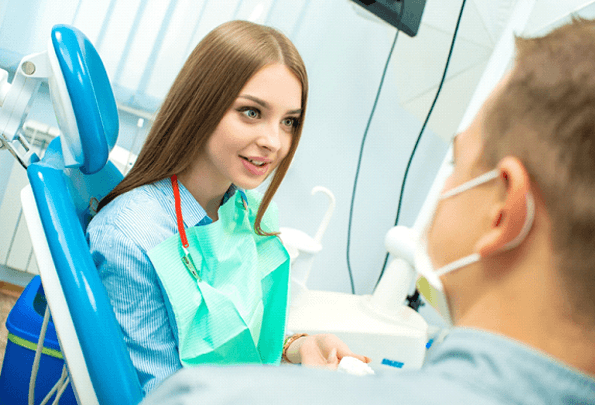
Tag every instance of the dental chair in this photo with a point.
(65, 187)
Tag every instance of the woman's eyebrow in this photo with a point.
(266, 105)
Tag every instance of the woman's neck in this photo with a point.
(208, 194)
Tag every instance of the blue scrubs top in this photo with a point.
(468, 367)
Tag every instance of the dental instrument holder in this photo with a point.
(380, 326)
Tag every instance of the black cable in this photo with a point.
(454, 37)
(359, 161)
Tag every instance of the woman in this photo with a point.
(189, 258)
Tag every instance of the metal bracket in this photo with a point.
(20, 149)
(15, 101)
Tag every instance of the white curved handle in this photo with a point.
(400, 242)
(396, 280)
(328, 214)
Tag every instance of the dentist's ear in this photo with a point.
(509, 214)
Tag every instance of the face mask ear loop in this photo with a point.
(462, 262)
(484, 178)
(526, 226)
(472, 258)
(475, 257)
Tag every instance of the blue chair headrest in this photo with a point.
(83, 100)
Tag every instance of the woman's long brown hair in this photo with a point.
(206, 87)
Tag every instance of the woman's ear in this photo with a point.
(508, 215)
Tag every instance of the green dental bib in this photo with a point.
(235, 310)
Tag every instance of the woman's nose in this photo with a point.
(270, 138)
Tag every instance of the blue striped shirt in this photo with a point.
(119, 237)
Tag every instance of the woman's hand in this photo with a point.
(323, 350)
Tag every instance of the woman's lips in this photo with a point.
(256, 166)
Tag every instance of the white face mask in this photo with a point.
(431, 288)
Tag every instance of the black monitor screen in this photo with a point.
(405, 15)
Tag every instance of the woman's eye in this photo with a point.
(290, 122)
(251, 112)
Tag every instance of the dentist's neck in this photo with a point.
(528, 303)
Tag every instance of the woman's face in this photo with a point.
(255, 134)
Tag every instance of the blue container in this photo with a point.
(24, 325)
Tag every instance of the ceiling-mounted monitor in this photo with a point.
(405, 15)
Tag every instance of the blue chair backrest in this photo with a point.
(66, 198)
